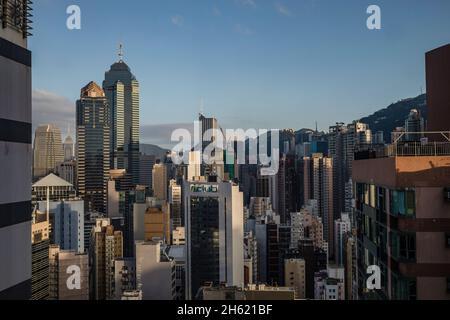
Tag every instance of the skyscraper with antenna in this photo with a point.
(122, 92)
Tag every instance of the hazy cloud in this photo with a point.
(216, 11)
(283, 10)
(49, 108)
(247, 3)
(161, 134)
(177, 20)
(241, 29)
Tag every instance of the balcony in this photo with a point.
(403, 149)
(16, 15)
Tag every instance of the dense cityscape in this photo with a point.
(350, 213)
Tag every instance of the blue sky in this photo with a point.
(255, 63)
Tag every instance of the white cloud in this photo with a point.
(177, 20)
(241, 29)
(283, 10)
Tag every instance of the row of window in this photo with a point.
(401, 202)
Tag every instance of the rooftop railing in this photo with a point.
(400, 148)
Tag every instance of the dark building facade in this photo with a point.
(93, 147)
(204, 242)
(403, 225)
(438, 92)
(288, 195)
(15, 150)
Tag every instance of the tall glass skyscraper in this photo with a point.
(122, 93)
(93, 146)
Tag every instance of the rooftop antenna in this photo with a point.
(202, 106)
(120, 53)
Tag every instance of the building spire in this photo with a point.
(120, 53)
(202, 106)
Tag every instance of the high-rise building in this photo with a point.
(438, 95)
(318, 185)
(414, 123)
(68, 171)
(287, 187)
(176, 213)
(146, 163)
(48, 150)
(40, 242)
(194, 166)
(259, 206)
(119, 187)
(402, 220)
(341, 227)
(15, 150)
(93, 147)
(305, 225)
(160, 181)
(69, 148)
(157, 222)
(63, 265)
(67, 220)
(251, 257)
(178, 254)
(343, 141)
(155, 272)
(350, 266)
(122, 93)
(209, 130)
(214, 234)
(140, 206)
(294, 276)
(106, 246)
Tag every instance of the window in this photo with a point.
(372, 196)
(403, 246)
(403, 203)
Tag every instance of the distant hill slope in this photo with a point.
(394, 116)
(151, 149)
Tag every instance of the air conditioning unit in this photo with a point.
(447, 194)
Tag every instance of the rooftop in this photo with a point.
(52, 181)
(403, 149)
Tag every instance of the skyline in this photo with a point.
(242, 58)
(245, 206)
